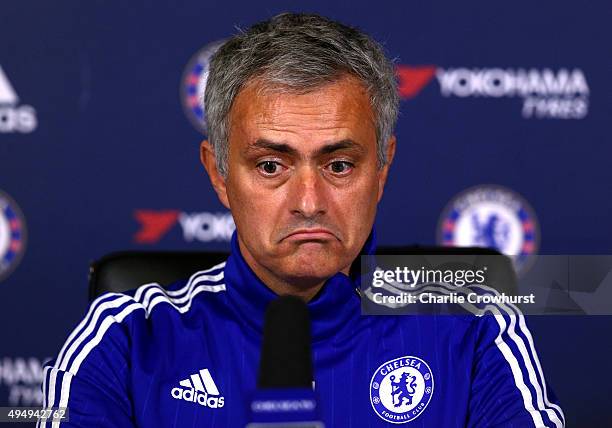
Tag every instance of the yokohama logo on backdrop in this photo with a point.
(196, 226)
(545, 93)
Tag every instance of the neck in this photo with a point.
(304, 288)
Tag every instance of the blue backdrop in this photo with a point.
(98, 151)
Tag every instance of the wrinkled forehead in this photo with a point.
(337, 110)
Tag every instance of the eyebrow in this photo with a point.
(262, 143)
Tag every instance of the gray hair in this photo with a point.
(298, 52)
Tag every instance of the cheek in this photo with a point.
(254, 210)
(357, 207)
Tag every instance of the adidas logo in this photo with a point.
(7, 93)
(14, 117)
(199, 388)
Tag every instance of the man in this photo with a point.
(301, 114)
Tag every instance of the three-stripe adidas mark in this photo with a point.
(199, 388)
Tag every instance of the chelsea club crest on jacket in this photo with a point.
(188, 355)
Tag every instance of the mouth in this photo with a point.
(317, 234)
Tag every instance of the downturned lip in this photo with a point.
(316, 233)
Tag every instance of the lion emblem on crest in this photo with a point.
(403, 389)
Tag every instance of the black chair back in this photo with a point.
(126, 270)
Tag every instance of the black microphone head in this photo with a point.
(286, 361)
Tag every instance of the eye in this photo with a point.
(341, 167)
(269, 168)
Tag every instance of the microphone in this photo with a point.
(285, 394)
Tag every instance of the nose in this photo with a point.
(308, 193)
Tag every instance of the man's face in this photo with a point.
(303, 181)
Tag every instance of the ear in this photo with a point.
(384, 171)
(207, 156)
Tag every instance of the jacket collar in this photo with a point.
(336, 302)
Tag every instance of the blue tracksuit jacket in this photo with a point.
(188, 355)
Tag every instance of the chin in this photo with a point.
(315, 267)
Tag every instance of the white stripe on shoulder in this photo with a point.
(108, 301)
(44, 388)
(527, 334)
(212, 281)
(201, 275)
(539, 385)
(541, 394)
(504, 349)
(110, 304)
(162, 298)
(79, 329)
(143, 299)
(76, 364)
(105, 303)
(511, 358)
